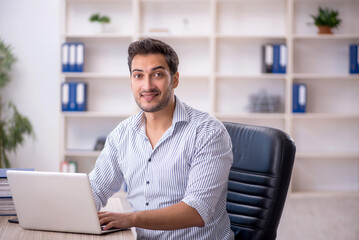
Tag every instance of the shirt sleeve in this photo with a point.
(208, 178)
(106, 178)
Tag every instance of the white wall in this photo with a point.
(32, 29)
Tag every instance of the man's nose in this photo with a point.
(148, 83)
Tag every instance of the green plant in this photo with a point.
(101, 19)
(326, 17)
(13, 126)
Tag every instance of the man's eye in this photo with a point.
(137, 76)
(159, 74)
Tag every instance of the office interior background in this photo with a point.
(219, 43)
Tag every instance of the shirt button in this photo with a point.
(148, 182)
(149, 160)
(147, 204)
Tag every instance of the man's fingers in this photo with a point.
(109, 225)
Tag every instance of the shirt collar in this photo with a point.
(179, 115)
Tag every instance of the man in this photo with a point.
(175, 160)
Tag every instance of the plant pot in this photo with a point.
(324, 30)
(98, 28)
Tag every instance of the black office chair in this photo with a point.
(263, 159)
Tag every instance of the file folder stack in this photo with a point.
(73, 57)
(299, 98)
(274, 58)
(74, 96)
(353, 59)
(7, 207)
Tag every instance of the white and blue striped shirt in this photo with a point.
(190, 163)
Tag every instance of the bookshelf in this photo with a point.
(219, 45)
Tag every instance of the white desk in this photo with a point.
(11, 231)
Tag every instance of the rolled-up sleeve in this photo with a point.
(106, 177)
(208, 177)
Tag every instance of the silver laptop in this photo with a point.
(52, 201)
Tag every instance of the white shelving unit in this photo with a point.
(219, 45)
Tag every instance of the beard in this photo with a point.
(162, 102)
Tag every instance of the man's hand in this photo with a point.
(177, 216)
(114, 220)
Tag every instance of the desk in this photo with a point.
(11, 231)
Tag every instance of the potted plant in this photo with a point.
(326, 19)
(100, 22)
(13, 126)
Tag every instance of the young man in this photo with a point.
(175, 160)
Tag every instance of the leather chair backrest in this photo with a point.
(263, 159)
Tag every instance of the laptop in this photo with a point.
(53, 201)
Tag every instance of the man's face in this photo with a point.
(151, 82)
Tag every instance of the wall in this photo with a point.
(32, 29)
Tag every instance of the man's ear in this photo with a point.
(175, 80)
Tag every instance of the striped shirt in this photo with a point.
(190, 163)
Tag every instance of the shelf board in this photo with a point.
(254, 76)
(82, 153)
(89, 114)
(273, 116)
(175, 36)
(326, 36)
(327, 116)
(98, 36)
(342, 155)
(94, 75)
(250, 37)
(325, 76)
(318, 193)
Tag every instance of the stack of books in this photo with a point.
(7, 207)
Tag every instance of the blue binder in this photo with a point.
(73, 57)
(80, 54)
(74, 96)
(81, 96)
(65, 57)
(279, 58)
(353, 59)
(299, 98)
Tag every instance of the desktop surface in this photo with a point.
(13, 231)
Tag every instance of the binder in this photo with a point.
(81, 96)
(353, 59)
(74, 96)
(267, 58)
(299, 97)
(65, 57)
(79, 62)
(73, 57)
(279, 58)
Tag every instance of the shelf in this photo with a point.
(328, 116)
(250, 37)
(169, 35)
(82, 153)
(254, 76)
(319, 155)
(325, 76)
(267, 116)
(98, 36)
(94, 75)
(94, 115)
(322, 194)
(326, 37)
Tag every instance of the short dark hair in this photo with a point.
(153, 46)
